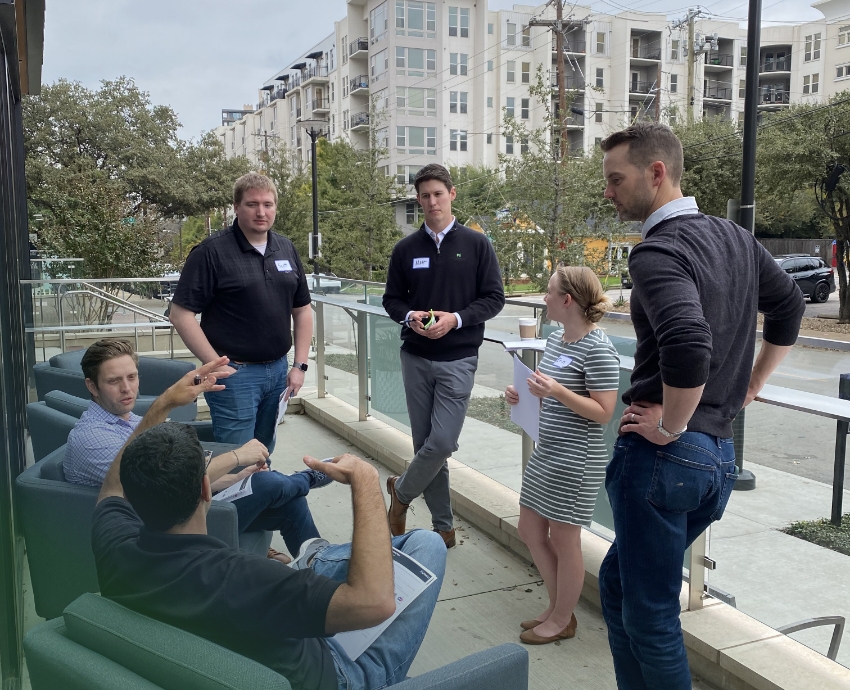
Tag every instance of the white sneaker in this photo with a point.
(309, 549)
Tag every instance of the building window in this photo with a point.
(412, 215)
(490, 29)
(333, 124)
(815, 83)
(417, 140)
(490, 136)
(405, 174)
(378, 23)
(457, 63)
(598, 114)
(597, 142)
(489, 101)
(526, 72)
(458, 102)
(489, 65)
(511, 71)
(526, 37)
(815, 51)
(331, 57)
(344, 85)
(844, 35)
(453, 21)
(509, 145)
(464, 22)
(416, 101)
(509, 106)
(742, 88)
(457, 139)
(600, 77)
(379, 65)
(511, 35)
(842, 71)
(806, 84)
(415, 62)
(463, 95)
(345, 50)
(418, 18)
(524, 108)
(812, 51)
(674, 49)
(743, 61)
(331, 91)
(674, 83)
(523, 145)
(600, 42)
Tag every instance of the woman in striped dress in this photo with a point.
(577, 383)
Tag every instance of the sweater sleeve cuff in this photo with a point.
(692, 376)
(781, 333)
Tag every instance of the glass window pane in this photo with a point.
(415, 15)
(400, 136)
(399, 14)
(415, 58)
(416, 98)
(416, 136)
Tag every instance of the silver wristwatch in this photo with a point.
(669, 434)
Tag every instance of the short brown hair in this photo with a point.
(433, 171)
(649, 142)
(252, 180)
(582, 284)
(102, 351)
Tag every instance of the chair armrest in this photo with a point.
(49, 378)
(48, 428)
(203, 428)
(505, 666)
(223, 522)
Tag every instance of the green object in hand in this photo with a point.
(430, 321)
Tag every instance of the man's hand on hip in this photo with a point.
(446, 321)
(642, 418)
(201, 380)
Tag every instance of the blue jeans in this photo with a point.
(389, 658)
(662, 498)
(247, 407)
(277, 503)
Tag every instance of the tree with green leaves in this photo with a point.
(806, 149)
(294, 197)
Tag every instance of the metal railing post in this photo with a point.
(841, 429)
(696, 573)
(362, 366)
(320, 349)
(746, 479)
(527, 358)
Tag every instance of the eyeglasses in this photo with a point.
(207, 459)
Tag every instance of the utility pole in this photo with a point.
(691, 59)
(559, 27)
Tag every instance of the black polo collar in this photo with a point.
(272, 242)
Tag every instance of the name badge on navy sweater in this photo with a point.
(283, 265)
(562, 362)
(424, 262)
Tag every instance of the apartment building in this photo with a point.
(445, 75)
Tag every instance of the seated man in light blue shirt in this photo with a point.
(277, 501)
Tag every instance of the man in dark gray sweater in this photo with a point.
(699, 282)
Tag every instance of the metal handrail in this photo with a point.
(835, 642)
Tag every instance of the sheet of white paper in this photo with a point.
(526, 413)
(281, 408)
(411, 579)
(236, 491)
(537, 344)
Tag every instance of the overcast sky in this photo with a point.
(200, 56)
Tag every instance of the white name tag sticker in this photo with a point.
(424, 262)
(562, 362)
(283, 265)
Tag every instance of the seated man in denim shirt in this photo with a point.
(277, 501)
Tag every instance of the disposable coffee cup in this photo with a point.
(527, 329)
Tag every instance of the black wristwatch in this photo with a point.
(299, 365)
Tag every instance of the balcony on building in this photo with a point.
(775, 59)
(359, 122)
(715, 110)
(571, 83)
(574, 42)
(642, 87)
(774, 96)
(575, 118)
(320, 105)
(645, 47)
(359, 85)
(315, 74)
(358, 48)
(228, 117)
(722, 59)
(717, 92)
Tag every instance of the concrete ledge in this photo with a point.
(725, 646)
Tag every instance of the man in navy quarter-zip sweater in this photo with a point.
(452, 270)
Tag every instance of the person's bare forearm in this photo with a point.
(769, 357)
(220, 465)
(679, 406)
(302, 321)
(190, 331)
(584, 407)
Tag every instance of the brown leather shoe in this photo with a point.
(278, 556)
(448, 537)
(531, 637)
(397, 514)
(530, 624)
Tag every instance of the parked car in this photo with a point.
(815, 279)
(626, 280)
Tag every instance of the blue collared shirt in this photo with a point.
(677, 207)
(93, 444)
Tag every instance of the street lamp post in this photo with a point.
(314, 129)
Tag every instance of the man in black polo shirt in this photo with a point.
(153, 555)
(250, 289)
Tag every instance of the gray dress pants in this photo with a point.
(437, 398)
